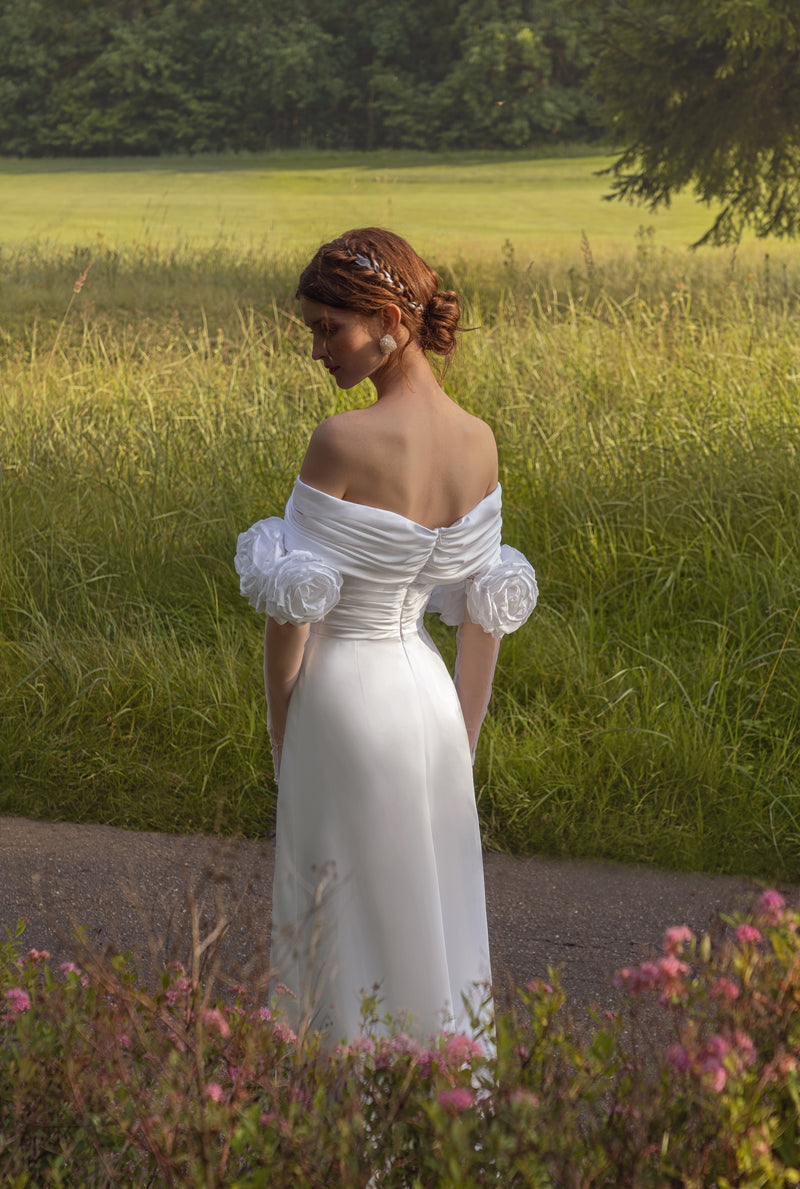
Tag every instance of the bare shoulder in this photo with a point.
(483, 448)
(330, 452)
(484, 434)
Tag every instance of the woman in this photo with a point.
(378, 878)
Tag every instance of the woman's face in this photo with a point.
(347, 343)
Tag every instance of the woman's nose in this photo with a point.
(320, 348)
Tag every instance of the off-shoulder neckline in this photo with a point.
(494, 494)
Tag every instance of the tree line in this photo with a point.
(97, 77)
(704, 95)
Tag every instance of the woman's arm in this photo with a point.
(477, 657)
(283, 654)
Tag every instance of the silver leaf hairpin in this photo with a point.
(369, 262)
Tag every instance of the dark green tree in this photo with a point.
(518, 78)
(149, 76)
(706, 95)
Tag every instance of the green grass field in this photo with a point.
(645, 404)
(468, 203)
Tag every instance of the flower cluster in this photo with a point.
(18, 1000)
(194, 1090)
(666, 975)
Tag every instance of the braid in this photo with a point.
(369, 262)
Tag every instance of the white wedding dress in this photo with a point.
(378, 871)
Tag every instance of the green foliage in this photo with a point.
(693, 1081)
(515, 80)
(158, 76)
(706, 95)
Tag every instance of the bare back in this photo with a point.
(415, 453)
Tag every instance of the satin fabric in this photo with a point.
(379, 875)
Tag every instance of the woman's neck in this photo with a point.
(409, 374)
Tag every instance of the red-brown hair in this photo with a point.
(369, 268)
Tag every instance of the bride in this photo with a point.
(378, 873)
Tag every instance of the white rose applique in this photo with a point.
(502, 597)
(291, 587)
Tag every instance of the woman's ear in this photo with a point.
(391, 320)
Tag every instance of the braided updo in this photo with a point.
(366, 269)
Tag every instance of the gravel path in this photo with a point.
(140, 892)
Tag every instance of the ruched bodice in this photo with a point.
(388, 563)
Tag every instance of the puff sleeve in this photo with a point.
(291, 586)
(500, 597)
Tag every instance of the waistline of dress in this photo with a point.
(340, 631)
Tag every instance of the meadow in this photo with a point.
(461, 203)
(645, 403)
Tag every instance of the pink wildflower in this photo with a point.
(538, 984)
(718, 1047)
(461, 1049)
(455, 1101)
(392, 1047)
(360, 1044)
(70, 968)
(679, 1058)
(215, 1092)
(37, 956)
(403, 1045)
(427, 1061)
(181, 987)
(638, 978)
(18, 999)
(676, 937)
(714, 1073)
(212, 1017)
(671, 969)
(747, 933)
(710, 1064)
(124, 1041)
(745, 1048)
(724, 989)
(770, 906)
(284, 1033)
(264, 1014)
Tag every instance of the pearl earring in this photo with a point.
(387, 344)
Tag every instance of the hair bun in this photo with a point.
(440, 322)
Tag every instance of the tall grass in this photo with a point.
(646, 413)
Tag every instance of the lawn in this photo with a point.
(471, 203)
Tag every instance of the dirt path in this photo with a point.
(138, 892)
